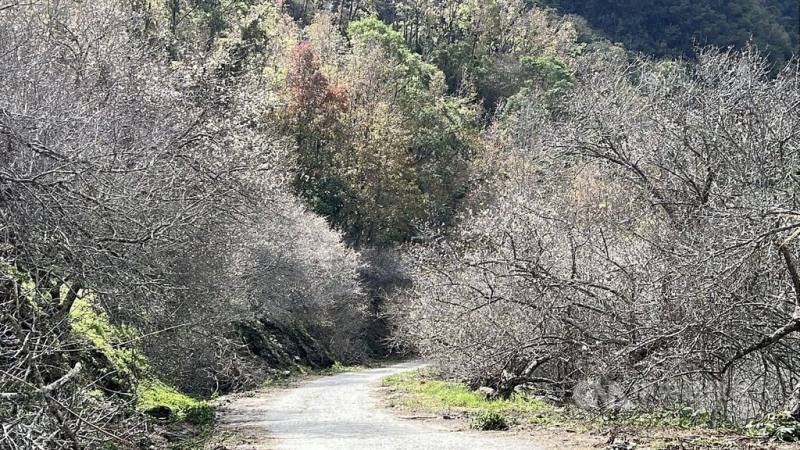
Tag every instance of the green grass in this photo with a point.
(778, 426)
(426, 392)
(151, 394)
(489, 421)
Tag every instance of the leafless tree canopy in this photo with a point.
(628, 225)
(641, 230)
(156, 188)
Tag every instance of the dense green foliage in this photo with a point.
(384, 150)
(492, 48)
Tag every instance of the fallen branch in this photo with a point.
(41, 392)
(779, 334)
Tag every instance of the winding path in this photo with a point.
(340, 412)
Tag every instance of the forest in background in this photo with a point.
(196, 195)
(675, 28)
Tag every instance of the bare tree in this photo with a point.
(642, 231)
(140, 182)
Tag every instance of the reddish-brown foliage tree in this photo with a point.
(313, 99)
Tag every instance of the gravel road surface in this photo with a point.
(342, 412)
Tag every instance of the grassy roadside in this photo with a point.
(213, 437)
(425, 391)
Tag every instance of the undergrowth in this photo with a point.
(489, 421)
(298, 372)
(424, 390)
(338, 368)
(114, 341)
(183, 408)
(678, 418)
(89, 321)
(431, 394)
(779, 426)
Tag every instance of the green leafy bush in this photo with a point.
(489, 420)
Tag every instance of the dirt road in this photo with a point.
(342, 412)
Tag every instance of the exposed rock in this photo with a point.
(487, 391)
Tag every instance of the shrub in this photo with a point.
(489, 421)
(199, 414)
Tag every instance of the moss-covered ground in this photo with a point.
(117, 344)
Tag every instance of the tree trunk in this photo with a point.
(794, 405)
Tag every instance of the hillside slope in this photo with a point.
(674, 27)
